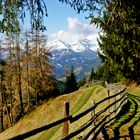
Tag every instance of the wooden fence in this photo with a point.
(97, 122)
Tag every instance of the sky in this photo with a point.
(65, 24)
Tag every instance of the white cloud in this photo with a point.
(76, 30)
(75, 26)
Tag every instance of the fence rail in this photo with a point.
(120, 99)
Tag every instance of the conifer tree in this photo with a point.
(26, 62)
(81, 82)
(42, 81)
(19, 74)
(91, 76)
(71, 82)
(8, 78)
(119, 41)
(26, 76)
(1, 92)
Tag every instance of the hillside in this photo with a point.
(126, 125)
(53, 110)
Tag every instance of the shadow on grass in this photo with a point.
(105, 134)
(131, 128)
(125, 110)
(128, 113)
(123, 113)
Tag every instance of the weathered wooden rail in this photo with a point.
(95, 124)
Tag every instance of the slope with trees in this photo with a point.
(26, 76)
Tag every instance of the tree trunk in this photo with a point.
(27, 73)
(1, 110)
(10, 82)
(19, 77)
(1, 90)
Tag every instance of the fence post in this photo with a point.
(108, 94)
(93, 111)
(120, 101)
(92, 114)
(115, 103)
(123, 94)
(125, 97)
(66, 123)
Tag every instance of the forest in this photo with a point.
(26, 75)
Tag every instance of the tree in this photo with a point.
(8, 78)
(1, 90)
(13, 11)
(100, 72)
(26, 61)
(81, 82)
(71, 83)
(91, 76)
(19, 74)
(42, 80)
(25, 75)
(119, 42)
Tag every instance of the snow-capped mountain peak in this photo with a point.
(81, 55)
(79, 46)
(57, 45)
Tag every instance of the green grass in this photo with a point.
(82, 101)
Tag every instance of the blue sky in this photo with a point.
(65, 24)
(58, 14)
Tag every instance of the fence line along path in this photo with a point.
(98, 120)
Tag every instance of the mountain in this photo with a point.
(81, 55)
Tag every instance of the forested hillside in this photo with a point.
(26, 75)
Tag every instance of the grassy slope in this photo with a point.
(127, 126)
(53, 110)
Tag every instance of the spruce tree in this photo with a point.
(71, 82)
(91, 76)
(119, 41)
(81, 82)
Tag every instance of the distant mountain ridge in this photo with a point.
(82, 55)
